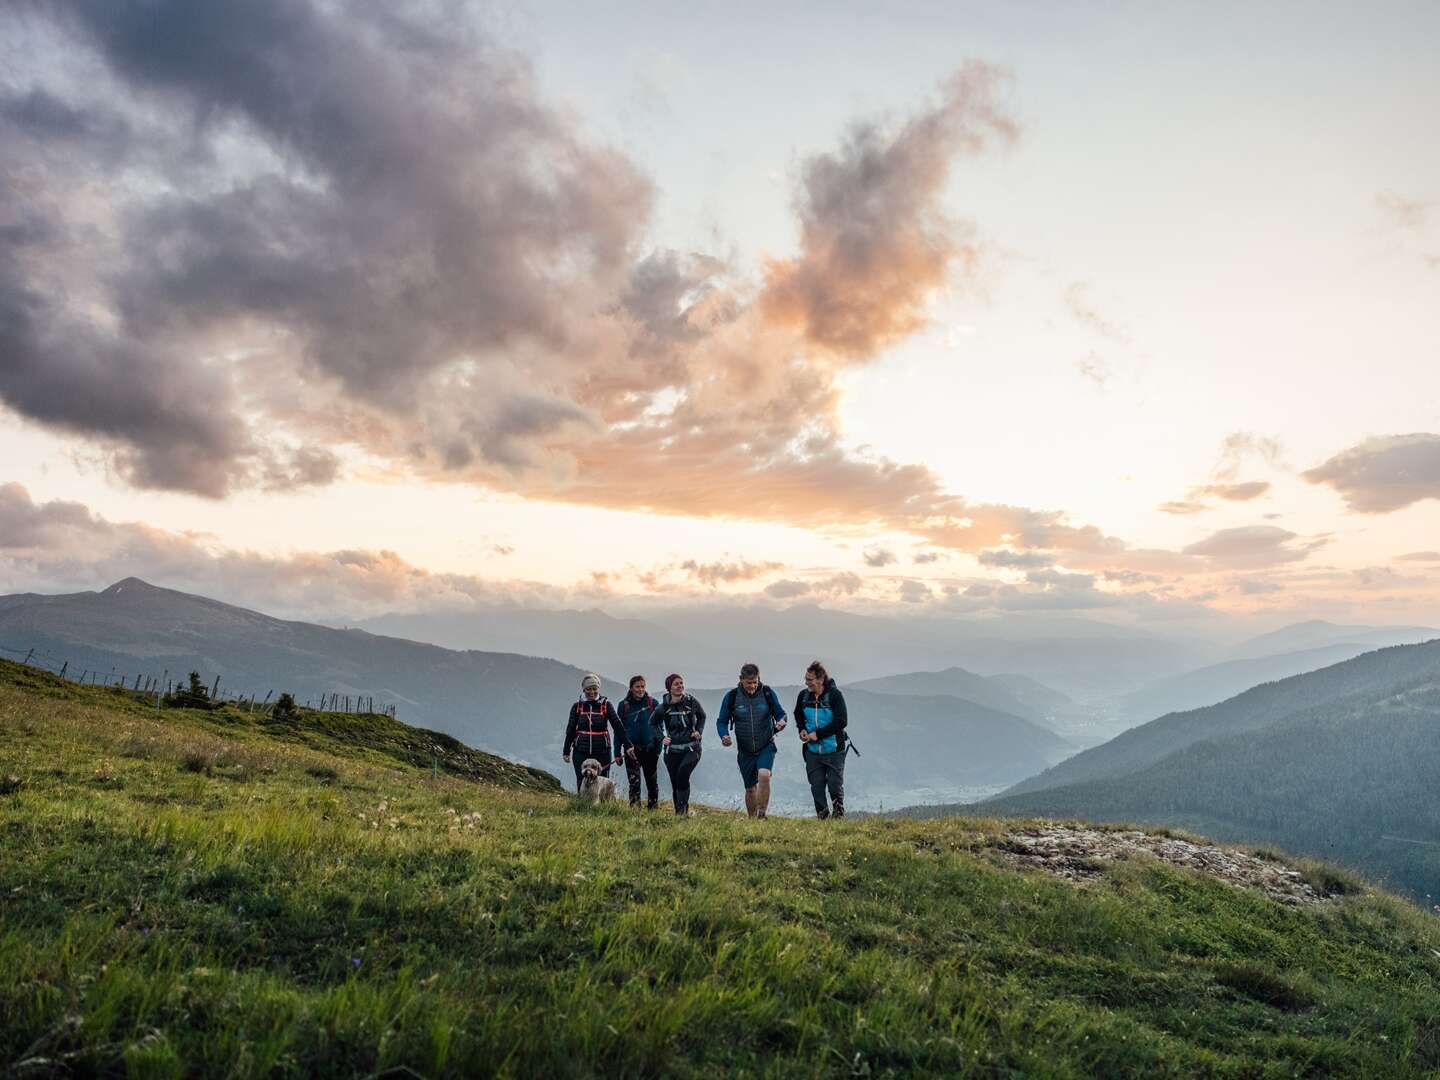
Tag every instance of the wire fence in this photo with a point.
(170, 683)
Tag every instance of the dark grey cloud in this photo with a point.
(878, 556)
(912, 591)
(373, 192)
(1383, 474)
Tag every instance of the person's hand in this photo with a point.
(665, 741)
(780, 724)
(630, 752)
(567, 759)
(725, 740)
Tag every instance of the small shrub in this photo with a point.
(1331, 880)
(1262, 985)
(284, 707)
(325, 773)
(10, 784)
(197, 761)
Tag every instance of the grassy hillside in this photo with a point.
(206, 894)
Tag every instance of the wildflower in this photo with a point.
(354, 963)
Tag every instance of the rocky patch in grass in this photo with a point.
(1079, 854)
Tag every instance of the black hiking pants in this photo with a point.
(645, 763)
(680, 764)
(826, 773)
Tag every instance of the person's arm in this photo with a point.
(570, 727)
(622, 740)
(699, 718)
(722, 719)
(800, 715)
(839, 717)
(777, 711)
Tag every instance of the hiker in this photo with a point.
(754, 712)
(681, 720)
(585, 734)
(637, 712)
(820, 718)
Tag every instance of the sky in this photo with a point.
(1123, 311)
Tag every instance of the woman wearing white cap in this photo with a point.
(585, 734)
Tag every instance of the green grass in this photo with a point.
(212, 894)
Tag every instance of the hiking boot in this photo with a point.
(838, 808)
(822, 813)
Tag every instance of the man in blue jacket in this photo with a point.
(753, 712)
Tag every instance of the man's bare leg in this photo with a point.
(749, 802)
(762, 793)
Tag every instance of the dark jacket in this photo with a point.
(826, 717)
(753, 716)
(683, 721)
(585, 732)
(638, 718)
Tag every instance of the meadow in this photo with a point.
(215, 892)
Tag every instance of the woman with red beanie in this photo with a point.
(681, 719)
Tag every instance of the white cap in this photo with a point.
(590, 679)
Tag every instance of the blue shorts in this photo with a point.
(751, 764)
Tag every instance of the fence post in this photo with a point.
(27, 657)
(63, 668)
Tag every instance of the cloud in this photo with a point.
(1401, 212)
(1238, 492)
(1251, 546)
(874, 243)
(1383, 474)
(1184, 507)
(828, 586)
(369, 197)
(64, 546)
(921, 558)
(1084, 312)
(717, 573)
(913, 592)
(1242, 492)
(262, 233)
(1014, 560)
(878, 556)
(1240, 447)
(1256, 586)
(1419, 556)
(1094, 367)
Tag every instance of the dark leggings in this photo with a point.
(680, 765)
(826, 772)
(599, 751)
(646, 763)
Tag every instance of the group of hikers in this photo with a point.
(751, 716)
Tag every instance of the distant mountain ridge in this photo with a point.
(1256, 708)
(990, 691)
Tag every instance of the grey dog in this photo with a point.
(595, 788)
